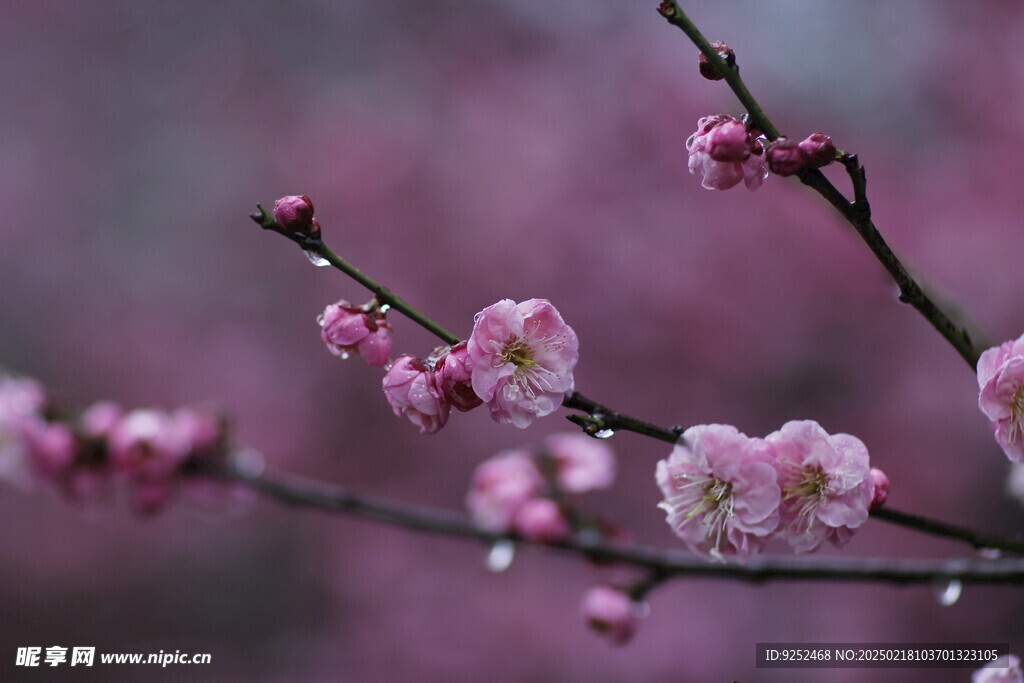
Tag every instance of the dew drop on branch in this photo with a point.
(948, 592)
(249, 463)
(316, 259)
(500, 556)
(604, 433)
(990, 553)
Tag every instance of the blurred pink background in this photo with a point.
(464, 152)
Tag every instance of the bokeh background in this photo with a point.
(463, 152)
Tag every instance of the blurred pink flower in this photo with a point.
(454, 372)
(149, 496)
(1005, 669)
(53, 448)
(611, 613)
(22, 401)
(99, 419)
(523, 356)
(720, 490)
(784, 158)
(411, 388)
(722, 175)
(148, 444)
(348, 329)
(826, 487)
(1001, 395)
(501, 485)
(541, 520)
(203, 430)
(582, 463)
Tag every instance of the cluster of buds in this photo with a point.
(534, 493)
(726, 494)
(786, 157)
(154, 454)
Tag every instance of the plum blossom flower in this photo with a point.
(348, 329)
(721, 491)
(724, 155)
(1001, 395)
(294, 213)
(826, 483)
(581, 463)
(523, 356)
(541, 520)
(148, 444)
(611, 613)
(455, 372)
(501, 486)
(1005, 669)
(22, 401)
(411, 388)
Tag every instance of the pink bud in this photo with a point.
(729, 141)
(412, 390)
(501, 485)
(205, 431)
(880, 482)
(582, 463)
(708, 70)
(611, 613)
(818, 150)
(784, 157)
(454, 372)
(147, 443)
(348, 329)
(541, 520)
(295, 214)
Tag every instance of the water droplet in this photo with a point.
(249, 463)
(604, 433)
(511, 392)
(641, 609)
(320, 320)
(947, 593)
(990, 553)
(384, 308)
(500, 556)
(344, 355)
(316, 259)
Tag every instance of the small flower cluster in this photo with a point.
(519, 360)
(611, 613)
(146, 450)
(726, 494)
(534, 494)
(1001, 395)
(725, 151)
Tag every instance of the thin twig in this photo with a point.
(663, 564)
(856, 213)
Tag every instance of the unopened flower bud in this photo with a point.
(294, 213)
(611, 613)
(818, 150)
(541, 520)
(347, 329)
(729, 141)
(411, 388)
(708, 70)
(880, 482)
(784, 157)
(455, 372)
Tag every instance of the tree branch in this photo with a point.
(665, 564)
(857, 213)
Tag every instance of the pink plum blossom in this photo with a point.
(523, 356)
(1005, 669)
(148, 444)
(826, 486)
(722, 175)
(611, 613)
(22, 401)
(53, 449)
(1001, 395)
(501, 486)
(784, 158)
(411, 388)
(541, 520)
(581, 463)
(721, 491)
(817, 150)
(98, 420)
(348, 329)
(455, 372)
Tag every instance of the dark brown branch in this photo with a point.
(662, 563)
